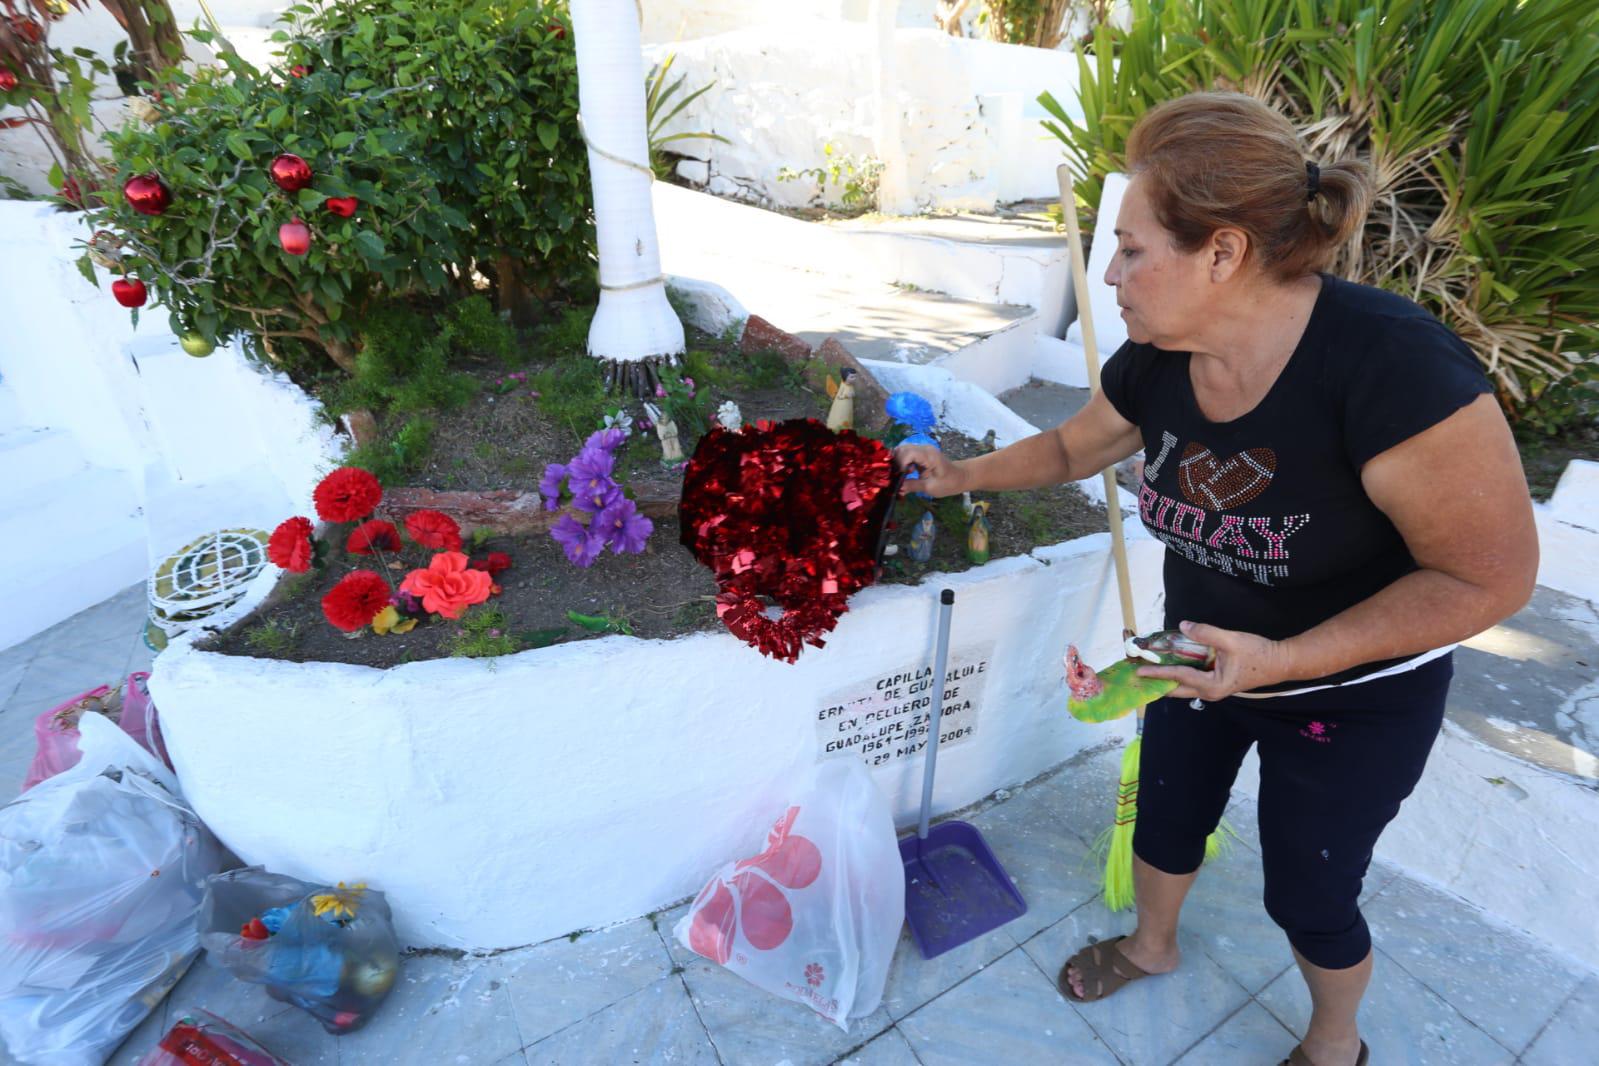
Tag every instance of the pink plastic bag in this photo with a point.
(56, 730)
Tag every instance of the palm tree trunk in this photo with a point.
(634, 323)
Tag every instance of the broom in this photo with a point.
(1116, 842)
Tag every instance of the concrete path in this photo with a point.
(1452, 984)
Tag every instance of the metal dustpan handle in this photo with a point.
(946, 601)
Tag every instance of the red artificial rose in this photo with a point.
(374, 534)
(435, 530)
(290, 545)
(348, 494)
(355, 600)
(493, 562)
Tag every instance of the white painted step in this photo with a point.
(10, 409)
(31, 458)
(73, 543)
(991, 345)
(981, 258)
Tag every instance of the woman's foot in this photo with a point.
(1105, 969)
(1315, 1051)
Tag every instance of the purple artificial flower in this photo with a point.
(581, 547)
(589, 475)
(550, 486)
(601, 496)
(606, 439)
(623, 526)
(408, 604)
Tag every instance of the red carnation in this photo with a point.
(348, 494)
(355, 600)
(373, 535)
(435, 530)
(290, 545)
(494, 562)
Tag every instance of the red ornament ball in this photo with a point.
(557, 31)
(8, 80)
(295, 237)
(343, 206)
(129, 292)
(289, 546)
(355, 600)
(146, 194)
(291, 172)
(348, 494)
(435, 530)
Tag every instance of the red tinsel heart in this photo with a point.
(792, 514)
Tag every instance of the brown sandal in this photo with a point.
(1297, 1057)
(1104, 970)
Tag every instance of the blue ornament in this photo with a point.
(909, 409)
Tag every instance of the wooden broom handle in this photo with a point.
(1085, 315)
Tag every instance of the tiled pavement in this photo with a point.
(1451, 985)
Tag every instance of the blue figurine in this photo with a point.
(921, 548)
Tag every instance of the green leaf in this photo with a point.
(57, 177)
(86, 268)
(239, 146)
(343, 140)
(548, 135)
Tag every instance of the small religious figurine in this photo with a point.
(988, 442)
(842, 414)
(729, 417)
(666, 429)
(922, 538)
(977, 533)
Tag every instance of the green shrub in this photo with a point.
(489, 93)
(395, 458)
(213, 258)
(1479, 118)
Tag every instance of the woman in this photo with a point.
(1341, 502)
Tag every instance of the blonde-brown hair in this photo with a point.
(1211, 160)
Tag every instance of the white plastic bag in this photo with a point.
(816, 916)
(101, 873)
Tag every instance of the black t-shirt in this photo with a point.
(1267, 527)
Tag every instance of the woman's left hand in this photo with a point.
(1243, 661)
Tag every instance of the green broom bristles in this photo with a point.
(1116, 842)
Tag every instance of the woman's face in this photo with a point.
(1163, 292)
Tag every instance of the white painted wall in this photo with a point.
(969, 128)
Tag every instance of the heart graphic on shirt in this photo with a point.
(1217, 485)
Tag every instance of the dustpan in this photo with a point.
(955, 888)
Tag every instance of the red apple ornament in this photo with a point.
(8, 80)
(130, 292)
(295, 237)
(343, 206)
(72, 192)
(299, 70)
(291, 172)
(146, 194)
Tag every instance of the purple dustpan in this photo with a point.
(955, 889)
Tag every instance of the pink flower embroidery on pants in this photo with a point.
(761, 907)
(1317, 728)
(814, 974)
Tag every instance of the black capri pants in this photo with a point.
(1334, 767)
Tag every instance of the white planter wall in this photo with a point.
(504, 803)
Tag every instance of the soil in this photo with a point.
(1545, 459)
(503, 440)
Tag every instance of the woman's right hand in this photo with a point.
(940, 475)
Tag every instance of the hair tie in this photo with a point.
(1312, 181)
